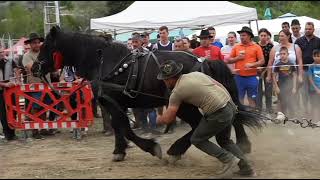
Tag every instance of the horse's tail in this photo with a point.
(249, 118)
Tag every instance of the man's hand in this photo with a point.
(268, 79)
(294, 91)
(160, 120)
(168, 115)
(300, 79)
(240, 56)
(277, 90)
(249, 65)
(10, 84)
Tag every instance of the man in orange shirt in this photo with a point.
(247, 55)
(206, 50)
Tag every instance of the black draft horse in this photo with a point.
(80, 50)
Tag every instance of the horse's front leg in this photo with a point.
(122, 130)
(119, 126)
(119, 152)
(192, 116)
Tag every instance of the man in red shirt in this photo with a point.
(206, 50)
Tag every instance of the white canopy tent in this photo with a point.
(150, 15)
(274, 25)
(287, 15)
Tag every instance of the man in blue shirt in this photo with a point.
(214, 42)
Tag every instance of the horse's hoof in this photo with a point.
(118, 157)
(172, 159)
(157, 151)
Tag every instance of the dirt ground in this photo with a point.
(279, 151)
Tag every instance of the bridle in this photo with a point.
(57, 59)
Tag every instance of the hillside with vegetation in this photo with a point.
(278, 8)
(19, 18)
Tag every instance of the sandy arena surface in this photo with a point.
(279, 151)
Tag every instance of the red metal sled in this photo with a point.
(21, 116)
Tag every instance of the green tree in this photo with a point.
(300, 8)
(117, 6)
(20, 22)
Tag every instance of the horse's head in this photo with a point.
(49, 58)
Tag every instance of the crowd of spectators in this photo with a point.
(288, 69)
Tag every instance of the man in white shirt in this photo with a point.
(164, 43)
(295, 27)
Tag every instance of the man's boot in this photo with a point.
(228, 166)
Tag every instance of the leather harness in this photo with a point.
(133, 83)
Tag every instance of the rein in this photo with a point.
(44, 78)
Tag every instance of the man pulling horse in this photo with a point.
(219, 112)
(120, 72)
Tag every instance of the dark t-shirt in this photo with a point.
(266, 52)
(194, 43)
(307, 48)
(285, 74)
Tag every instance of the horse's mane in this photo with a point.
(116, 45)
(83, 36)
(181, 54)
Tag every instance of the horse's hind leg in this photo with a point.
(242, 137)
(147, 145)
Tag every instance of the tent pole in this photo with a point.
(115, 34)
(257, 26)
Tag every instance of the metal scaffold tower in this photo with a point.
(51, 15)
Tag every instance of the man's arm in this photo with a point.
(260, 58)
(275, 83)
(168, 115)
(7, 84)
(300, 63)
(2, 84)
(233, 58)
(259, 63)
(270, 64)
